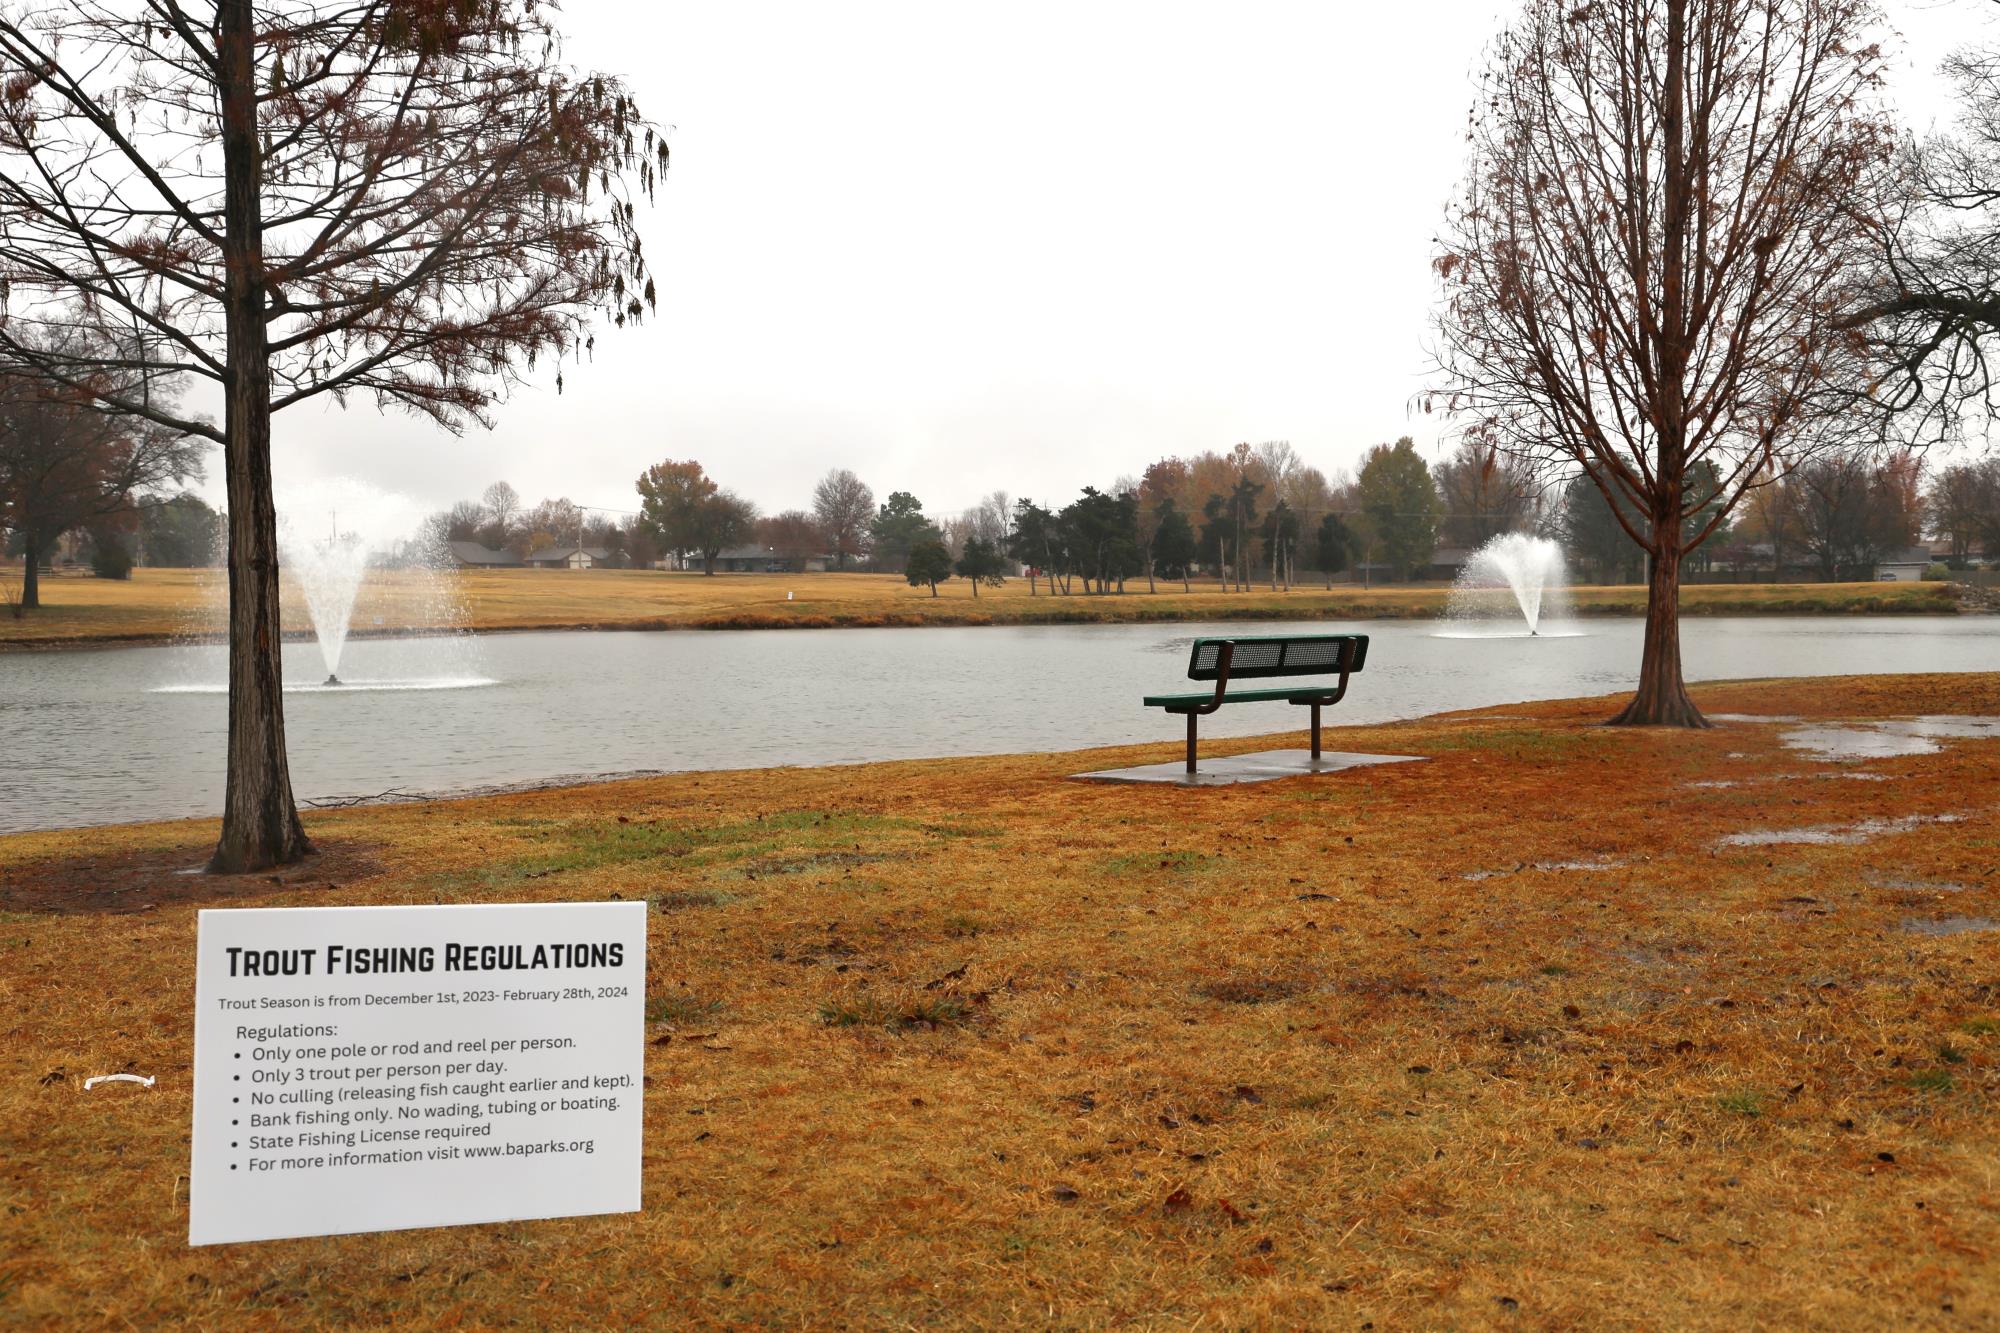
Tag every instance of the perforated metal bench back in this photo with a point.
(1310, 655)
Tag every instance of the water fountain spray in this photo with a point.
(1512, 575)
(362, 524)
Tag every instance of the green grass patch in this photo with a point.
(684, 1009)
(1146, 863)
(1521, 742)
(936, 830)
(1932, 1080)
(943, 1011)
(682, 900)
(1741, 1103)
(799, 863)
(793, 840)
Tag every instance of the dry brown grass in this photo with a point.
(966, 1044)
(164, 603)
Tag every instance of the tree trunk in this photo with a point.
(31, 573)
(1662, 698)
(933, 589)
(975, 589)
(260, 823)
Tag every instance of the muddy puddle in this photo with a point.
(1835, 835)
(1525, 866)
(1949, 925)
(1908, 884)
(1724, 784)
(1854, 741)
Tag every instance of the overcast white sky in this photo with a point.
(1029, 246)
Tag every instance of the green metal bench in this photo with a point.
(1223, 660)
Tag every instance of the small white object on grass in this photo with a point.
(788, 596)
(143, 1082)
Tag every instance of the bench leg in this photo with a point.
(1315, 709)
(1190, 744)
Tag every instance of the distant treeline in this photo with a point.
(1260, 515)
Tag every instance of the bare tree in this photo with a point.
(1669, 208)
(300, 200)
(1485, 492)
(503, 508)
(1934, 309)
(1964, 508)
(720, 522)
(65, 464)
(844, 505)
(1850, 511)
(793, 536)
(1279, 461)
(996, 523)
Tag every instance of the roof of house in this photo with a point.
(547, 553)
(477, 553)
(747, 553)
(1907, 555)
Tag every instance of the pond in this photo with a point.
(106, 735)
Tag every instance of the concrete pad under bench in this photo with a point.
(1261, 766)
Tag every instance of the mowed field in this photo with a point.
(161, 604)
(1516, 1034)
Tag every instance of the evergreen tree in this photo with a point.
(982, 562)
(1174, 547)
(928, 562)
(1402, 503)
(1333, 544)
(899, 527)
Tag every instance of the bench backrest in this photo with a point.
(1280, 655)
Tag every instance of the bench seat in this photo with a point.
(1238, 697)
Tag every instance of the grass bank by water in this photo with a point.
(157, 605)
(1513, 1032)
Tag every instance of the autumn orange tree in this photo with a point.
(290, 201)
(1668, 211)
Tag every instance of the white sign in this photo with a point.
(376, 1068)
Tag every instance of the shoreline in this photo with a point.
(589, 784)
(1418, 603)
